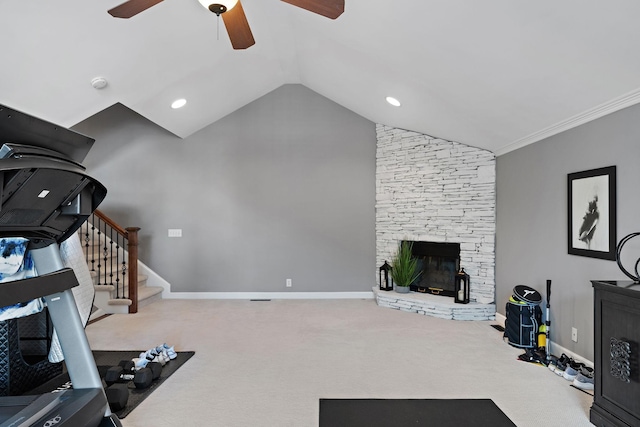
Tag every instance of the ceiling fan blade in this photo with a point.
(329, 8)
(132, 8)
(238, 27)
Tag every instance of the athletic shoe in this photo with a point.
(140, 362)
(583, 382)
(561, 364)
(171, 352)
(569, 373)
(152, 355)
(149, 355)
(587, 371)
(572, 370)
(163, 354)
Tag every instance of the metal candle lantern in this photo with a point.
(386, 281)
(462, 287)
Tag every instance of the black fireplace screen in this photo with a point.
(438, 263)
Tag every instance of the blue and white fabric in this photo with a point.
(16, 264)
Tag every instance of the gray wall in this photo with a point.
(531, 243)
(282, 188)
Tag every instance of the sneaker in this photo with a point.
(587, 371)
(583, 382)
(561, 364)
(140, 362)
(152, 355)
(162, 354)
(171, 352)
(148, 355)
(572, 370)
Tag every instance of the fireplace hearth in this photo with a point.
(438, 263)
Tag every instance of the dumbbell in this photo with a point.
(125, 371)
(156, 367)
(117, 396)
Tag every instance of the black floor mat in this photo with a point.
(412, 412)
(106, 359)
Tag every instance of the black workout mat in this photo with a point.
(412, 412)
(106, 359)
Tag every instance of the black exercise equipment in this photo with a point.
(156, 367)
(118, 378)
(45, 196)
(117, 396)
(125, 372)
(141, 378)
(20, 372)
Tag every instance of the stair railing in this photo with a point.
(115, 260)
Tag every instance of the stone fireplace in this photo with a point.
(433, 190)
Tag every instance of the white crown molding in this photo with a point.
(268, 295)
(601, 110)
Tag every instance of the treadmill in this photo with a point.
(45, 196)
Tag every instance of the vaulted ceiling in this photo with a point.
(496, 74)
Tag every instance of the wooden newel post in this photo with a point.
(132, 261)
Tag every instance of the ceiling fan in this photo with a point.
(233, 15)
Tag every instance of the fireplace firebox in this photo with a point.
(438, 264)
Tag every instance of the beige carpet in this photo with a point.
(268, 363)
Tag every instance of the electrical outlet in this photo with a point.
(289, 283)
(574, 335)
(175, 232)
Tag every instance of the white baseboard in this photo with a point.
(155, 280)
(268, 295)
(556, 349)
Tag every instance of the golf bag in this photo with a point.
(524, 317)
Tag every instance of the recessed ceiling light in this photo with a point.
(391, 100)
(178, 103)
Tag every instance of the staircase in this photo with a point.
(111, 254)
(108, 303)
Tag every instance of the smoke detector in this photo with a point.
(99, 82)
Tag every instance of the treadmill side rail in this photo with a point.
(36, 287)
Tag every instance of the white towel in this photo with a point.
(72, 257)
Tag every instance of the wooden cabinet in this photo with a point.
(616, 399)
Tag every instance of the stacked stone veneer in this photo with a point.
(441, 191)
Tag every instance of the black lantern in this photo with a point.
(462, 287)
(386, 281)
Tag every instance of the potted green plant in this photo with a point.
(404, 267)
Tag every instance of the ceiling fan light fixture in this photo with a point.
(218, 6)
(393, 101)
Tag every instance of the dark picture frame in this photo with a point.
(592, 213)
